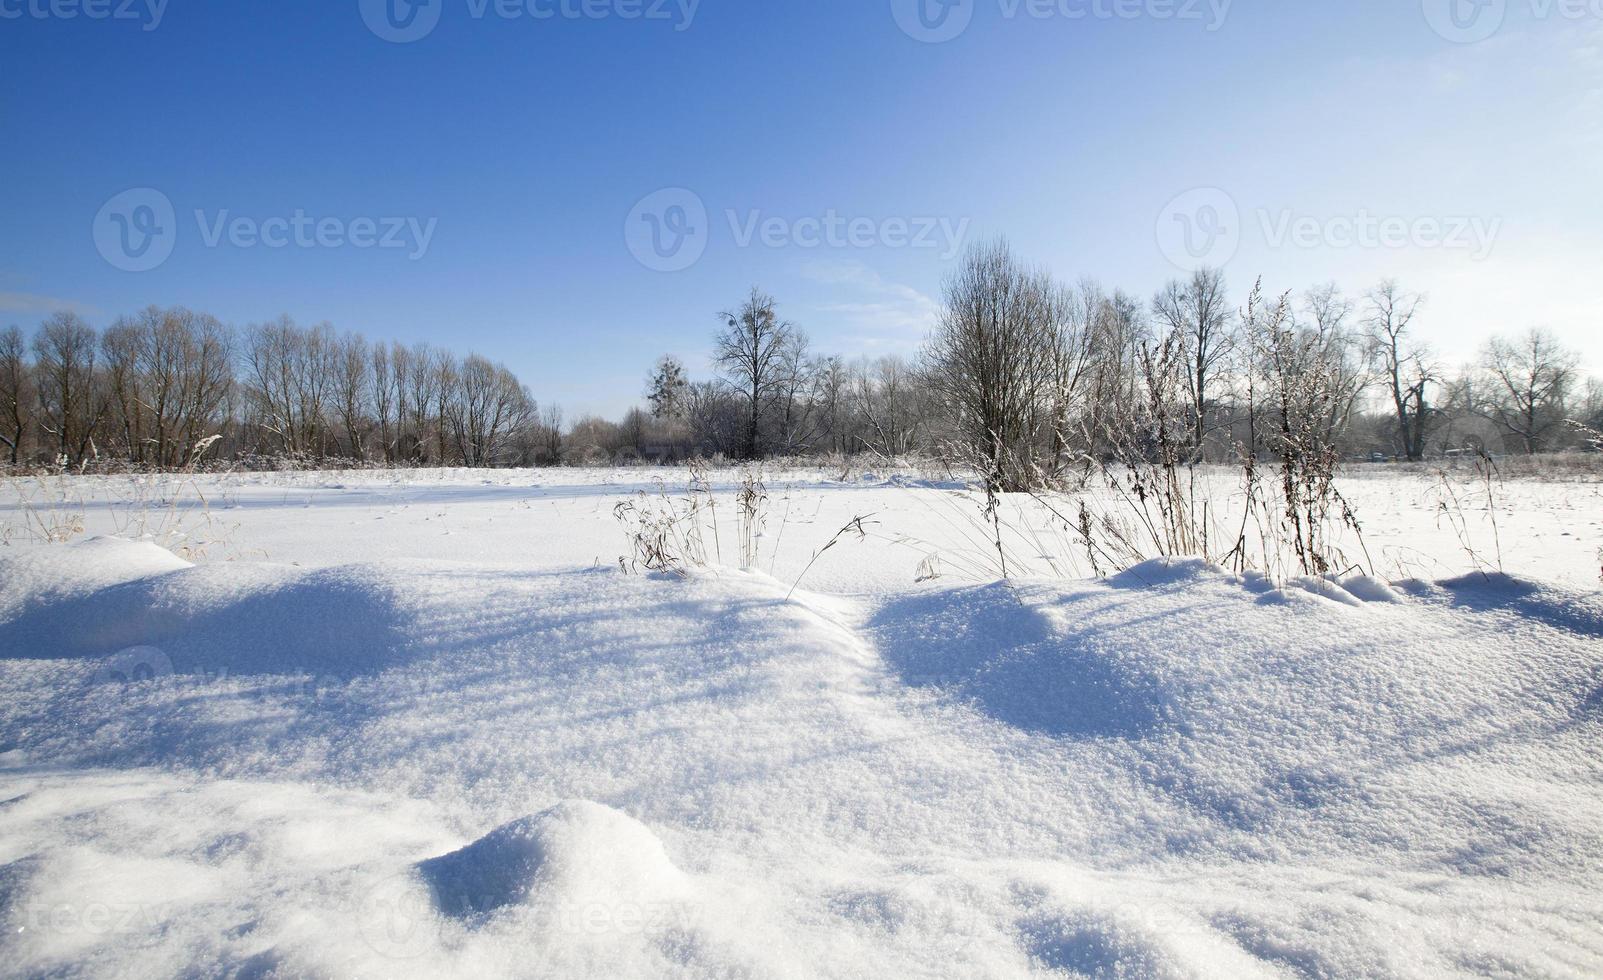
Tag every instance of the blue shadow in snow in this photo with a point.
(1554, 607)
(321, 624)
(985, 647)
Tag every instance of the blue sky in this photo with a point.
(1345, 141)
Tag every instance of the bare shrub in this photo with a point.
(1006, 358)
(1592, 437)
(1146, 465)
(1306, 390)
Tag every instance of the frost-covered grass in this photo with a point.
(421, 724)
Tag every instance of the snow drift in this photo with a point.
(578, 853)
(409, 768)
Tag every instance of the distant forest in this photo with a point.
(1021, 373)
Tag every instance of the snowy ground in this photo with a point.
(419, 724)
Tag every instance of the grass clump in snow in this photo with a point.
(52, 507)
(51, 511)
(668, 533)
(664, 532)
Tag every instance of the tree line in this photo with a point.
(1022, 377)
(165, 388)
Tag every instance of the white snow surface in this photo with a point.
(422, 725)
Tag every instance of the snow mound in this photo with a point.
(1167, 573)
(1514, 600)
(1368, 588)
(81, 568)
(577, 853)
(105, 600)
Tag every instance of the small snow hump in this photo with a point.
(578, 854)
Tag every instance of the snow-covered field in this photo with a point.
(421, 724)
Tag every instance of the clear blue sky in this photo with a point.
(529, 141)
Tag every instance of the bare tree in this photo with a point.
(835, 382)
(751, 352)
(1197, 312)
(633, 432)
(294, 377)
(1326, 347)
(16, 392)
(269, 359)
(123, 351)
(447, 391)
(156, 384)
(551, 433)
(492, 407)
(386, 396)
(1116, 334)
(71, 402)
(315, 373)
(1531, 380)
(795, 396)
(352, 377)
(168, 373)
(716, 418)
(1591, 407)
(886, 396)
(1072, 357)
(420, 391)
(206, 384)
(1405, 366)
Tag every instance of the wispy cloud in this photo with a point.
(883, 314)
(31, 304)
